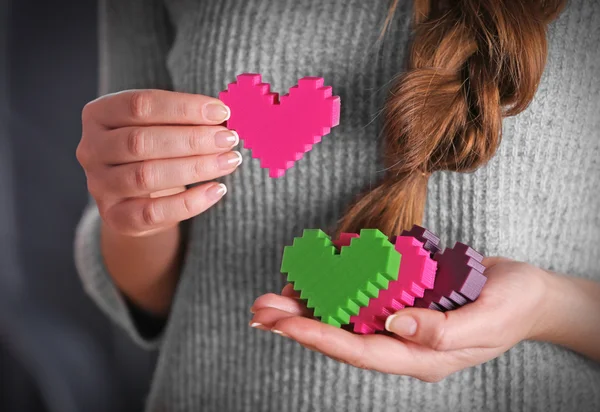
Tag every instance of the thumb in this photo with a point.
(466, 327)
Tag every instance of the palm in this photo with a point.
(505, 313)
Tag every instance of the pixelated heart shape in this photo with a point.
(280, 131)
(336, 285)
(431, 242)
(417, 273)
(459, 279)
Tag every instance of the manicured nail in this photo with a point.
(279, 333)
(229, 160)
(226, 139)
(216, 192)
(258, 325)
(401, 325)
(216, 112)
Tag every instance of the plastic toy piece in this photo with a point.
(417, 273)
(431, 242)
(459, 279)
(344, 239)
(280, 132)
(336, 285)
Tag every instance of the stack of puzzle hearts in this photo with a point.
(363, 279)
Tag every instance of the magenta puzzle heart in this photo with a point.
(280, 131)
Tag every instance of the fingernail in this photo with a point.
(226, 139)
(257, 325)
(216, 112)
(278, 332)
(216, 192)
(401, 325)
(229, 160)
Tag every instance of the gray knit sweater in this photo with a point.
(537, 200)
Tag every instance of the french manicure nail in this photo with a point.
(258, 325)
(216, 192)
(216, 112)
(226, 139)
(229, 160)
(401, 325)
(278, 332)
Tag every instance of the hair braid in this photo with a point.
(472, 63)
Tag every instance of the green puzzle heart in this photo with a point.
(336, 285)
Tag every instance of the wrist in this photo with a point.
(145, 269)
(571, 314)
(547, 326)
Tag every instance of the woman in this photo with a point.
(179, 268)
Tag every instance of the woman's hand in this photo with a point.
(429, 345)
(139, 150)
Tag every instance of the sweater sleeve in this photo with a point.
(134, 40)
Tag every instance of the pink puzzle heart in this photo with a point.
(280, 131)
(417, 274)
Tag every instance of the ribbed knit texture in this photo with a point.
(537, 200)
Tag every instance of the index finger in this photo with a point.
(378, 352)
(155, 107)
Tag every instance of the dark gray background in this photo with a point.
(57, 351)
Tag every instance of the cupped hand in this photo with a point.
(423, 343)
(141, 148)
